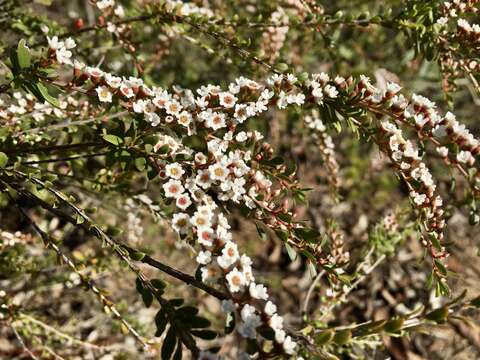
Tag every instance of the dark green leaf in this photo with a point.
(204, 334)
(168, 344)
(161, 322)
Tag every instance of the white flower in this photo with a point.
(206, 237)
(240, 113)
(113, 81)
(442, 151)
(442, 21)
(69, 43)
(247, 312)
(209, 273)
(119, 11)
(393, 87)
(63, 56)
(184, 118)
(418, 199)
(53, 43)
(139, 106)
(289, 345)
(216, 121)
(465, 157)
(204, 257)
(173, 188)
(258, 291)
(183, 201)
(463, 24)
(276, 322)
(420, 119)
(174, 170)
(227, 99)
(203, 179)
(250, 322)
(266, 94)
(173, 107)
(152, 118)
(218, 172)
(44, 28)
(104, 94)
(200, 220)
(270, 308)
(229, 255)
(330, 91)
(235, 280)
(103, 4)
(280, 336)
(181, 222)
(126, 91)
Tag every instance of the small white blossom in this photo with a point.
(183, 201)
(174, 170)
(227, 99)
(104, 94)
(270, 308)
(173, 188)
(204, 257)
(235, 280)
(258, 291)
(181, 222)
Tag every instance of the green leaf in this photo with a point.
(158, 284)
(80, 219)
(140, 163)
(147, 297)
(49, 98)
(168, 344)
(23, 55)
(394, 325)
(178, 353)
(176, 302)
(370, 328)
(324, 337)
(3, 159)
(476, 302)
(161, 322)
(137, 255)
(438, 315)
(112, 139)
(282, 67)
(267, 332)
(292, 254)
(195, 142)
(199, 322)
(342, 337)
(204, 334)
(187, 312)
(307, 234)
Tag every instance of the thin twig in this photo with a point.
(20, 340)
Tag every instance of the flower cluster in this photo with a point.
(454, 28)
(62, 49)
(274, 36)
(327, 148)
(24, 106)
(228, 162)
(422, 188)
(220, 166)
